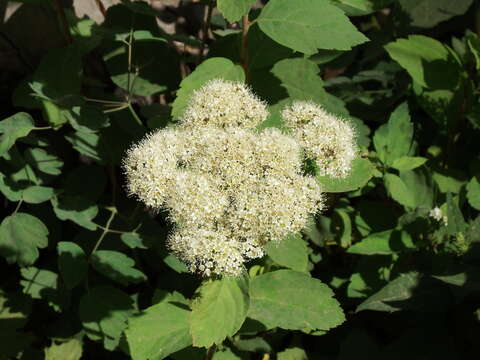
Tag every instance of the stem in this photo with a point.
(43, 128)
(134, 114)
(244, 47)
(101, 7)
(110, 230)
(62, 19)
(106, 229)
(210, 352)
(18, 206)
(206, 28)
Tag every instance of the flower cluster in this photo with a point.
(329, 140)
(229, 188)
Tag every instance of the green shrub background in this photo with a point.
(84, 269)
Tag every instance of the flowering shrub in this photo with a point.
(239, 179)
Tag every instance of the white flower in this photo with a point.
(224, 104)
(229, 188)
(437, 214)
(326, 138)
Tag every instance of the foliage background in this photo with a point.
(85, 273)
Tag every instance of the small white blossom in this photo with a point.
(326, 138)
(437, 214)
(224, 104)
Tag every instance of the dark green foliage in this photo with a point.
(390, 270)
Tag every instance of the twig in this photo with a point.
(18, 206)
(105, 230)
(206, 28)
(101, 7)
(244, 47)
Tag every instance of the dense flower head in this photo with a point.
(224, 104)
(326, 138)
(229, 188)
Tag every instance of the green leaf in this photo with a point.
(78, 209)
(393, 140)
(294, 301)
(370, 275)
(473, 193)
(37, 194)
(209, 69)
(408, 162)
(383, 243)
(72, 263)
(21, 235)
(361, 7)
(397, 294)
(291, 252)
(424, 58)
(15, 309)
(117, 266)
(456, 222)
(233, 10)
(308, 25)
(44, 284)
(104, 311)
(294, 353)
(66, 350)
(299, 76)
(219, 310)
(428, 13)
(47, 163)
(362, 172)
(133, 240)
(160, 330)
(399, 191)
(344, 226)
(12, 128)
(419, 182)
(89, 144)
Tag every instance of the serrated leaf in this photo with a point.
(361, 7)
(407, 291)
(361, 173)
(294, 353)
(292, 300)
(419, 182)
(219, 310)
(117, 266)
(44, 284)
(399, 191)
(233, 10)
(104, 311)
(308, 25)
(291, 252)
(383, 243)
(72, 263)
(14, 310)
(263, 51)
(405, 163)
(428, 13)
(473, 193)
(393, 140)
(13, 128)
(71, 349)
(424, 58)
(21, 235)
(160, 330)
(209, 69)
(456, 222)
(299, 76)
(133, 240)
(37, 194)
(43, 161)
(78, 209)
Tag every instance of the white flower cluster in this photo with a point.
(328, 140)
(437, 214)
(229, 188)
